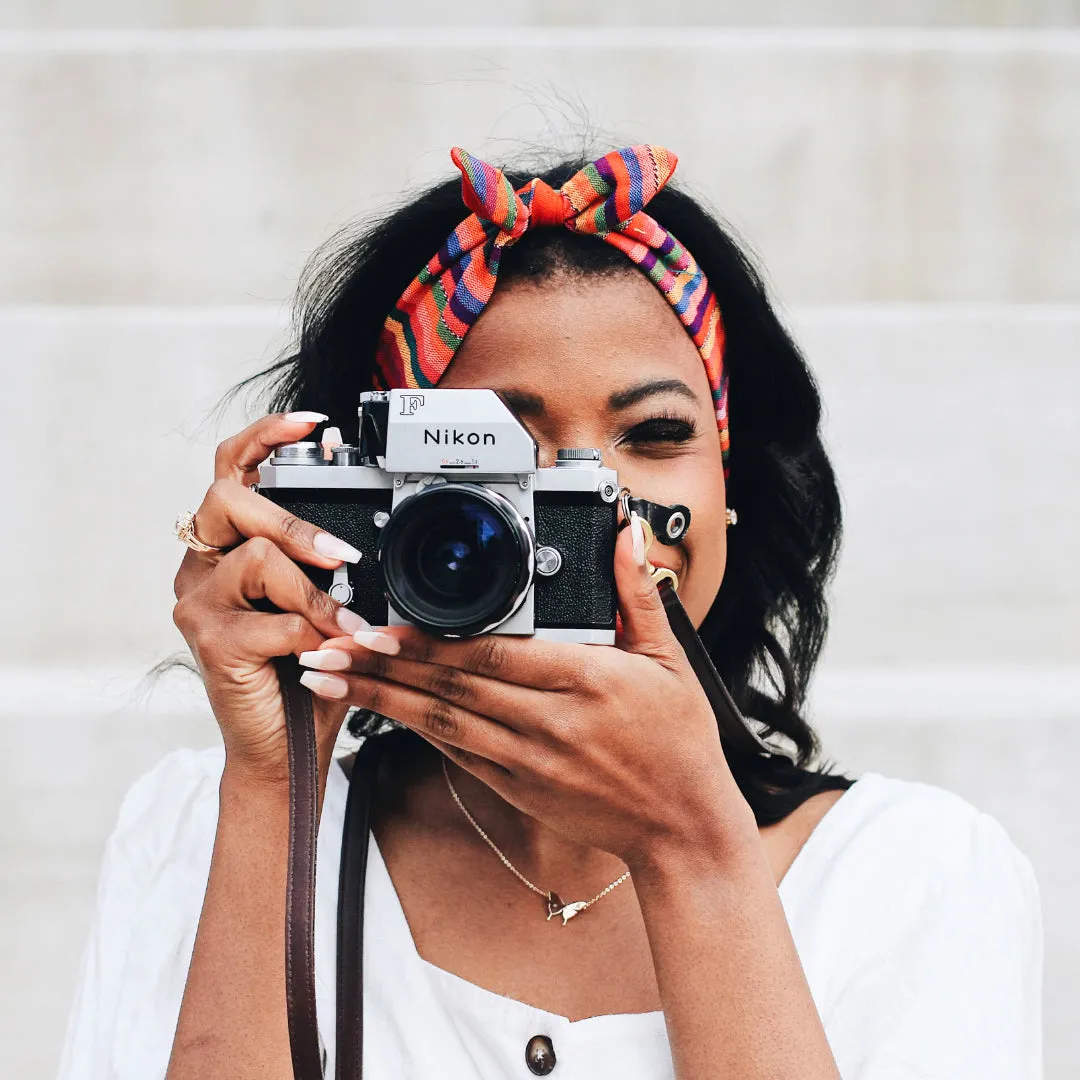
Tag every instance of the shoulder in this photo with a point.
(179, 776)
(893, 858)
(170, 810)
(899, 834)
(913, 824)
(150, 892)
(919, 925)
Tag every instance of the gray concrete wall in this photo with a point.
(914, 194)
(864, 167)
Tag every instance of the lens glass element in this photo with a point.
(456, 558)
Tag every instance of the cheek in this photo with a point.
(693, 480)
(707, 551)
(706, 546)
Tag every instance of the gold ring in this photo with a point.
(662, 573)
(185, 533)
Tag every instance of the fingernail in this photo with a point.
(306, 417)
(330, 686)
(326, 660)
(637, 535)
(376, 642)
(333, 548)
(331, 437)
(350, 622)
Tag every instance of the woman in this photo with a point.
(777, 921)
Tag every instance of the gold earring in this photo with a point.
(732, 517)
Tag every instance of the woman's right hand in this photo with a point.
(233, 642)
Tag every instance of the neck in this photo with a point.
(545, 857)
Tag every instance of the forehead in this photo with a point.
(576, 335)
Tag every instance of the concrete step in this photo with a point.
(953, 432)
(424, 13)
(200, 167)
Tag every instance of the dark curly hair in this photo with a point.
(768, 622)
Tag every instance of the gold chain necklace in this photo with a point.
(555, 905)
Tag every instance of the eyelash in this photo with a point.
(665, 428)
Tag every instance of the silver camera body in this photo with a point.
(459, 532)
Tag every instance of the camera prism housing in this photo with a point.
(459, 532)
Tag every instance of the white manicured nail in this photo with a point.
(324, 685)
(331, 437)
(326, 660)
(333, 548)
(637, 535)
(350, 622)
(303, 417)
(376, 642)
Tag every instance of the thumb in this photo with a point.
(645, 626)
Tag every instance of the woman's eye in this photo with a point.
(661, 429)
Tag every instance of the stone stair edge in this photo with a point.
(586, 38)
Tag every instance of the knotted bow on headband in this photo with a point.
(605, 199)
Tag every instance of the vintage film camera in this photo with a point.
(459, 532)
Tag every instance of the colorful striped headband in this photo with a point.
(605, 199)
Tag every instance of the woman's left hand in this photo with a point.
(615, 748)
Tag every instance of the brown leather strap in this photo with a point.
(350, 960)
(300, 882)
(736, 735)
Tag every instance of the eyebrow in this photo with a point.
(623, 399)
(523, 403)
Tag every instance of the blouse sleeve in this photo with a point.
(955, 989)
(150, 893)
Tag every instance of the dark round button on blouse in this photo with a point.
(540, 1055)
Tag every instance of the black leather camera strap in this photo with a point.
(736, 735)
(350, 958)
(738, 738)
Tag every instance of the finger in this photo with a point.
(495, 776)
(522, 708)
(257, 570)
(248, 634)
(645, 627)
(238, 457)
(231, 513)
(526, 661)
(262, 635)
(423, 713)
(192, 571)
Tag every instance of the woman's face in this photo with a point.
(605, 362)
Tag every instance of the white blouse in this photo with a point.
(917, 921)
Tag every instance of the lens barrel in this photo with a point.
(457, 559)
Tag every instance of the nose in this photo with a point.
(545, 454)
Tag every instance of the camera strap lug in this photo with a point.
(662, 573)
(669, 524)
(658, 573)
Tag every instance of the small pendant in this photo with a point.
(555, 906)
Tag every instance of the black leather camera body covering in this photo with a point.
(580, 526)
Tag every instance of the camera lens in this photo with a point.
(457, 559)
